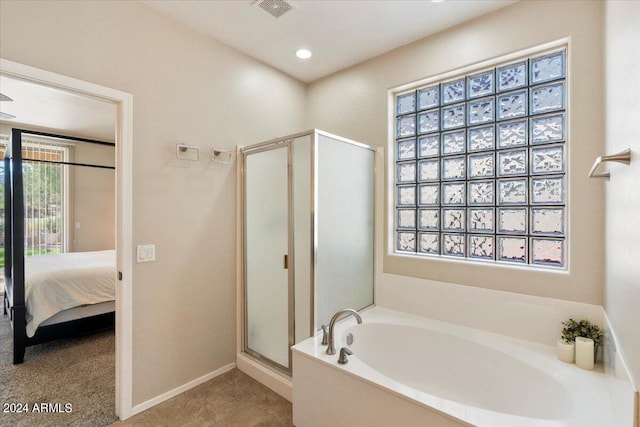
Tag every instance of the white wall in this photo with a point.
(186, 88)
(353, 103)
(622, 109)
(93, 190)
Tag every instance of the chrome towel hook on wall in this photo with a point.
(621, 157)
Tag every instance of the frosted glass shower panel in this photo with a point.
(344, 247)
(267, 241)
(301, 179)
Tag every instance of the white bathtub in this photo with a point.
(408, 371)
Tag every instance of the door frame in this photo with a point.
(124, 213)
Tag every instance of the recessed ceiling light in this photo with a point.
(437, 1)
(303, 53)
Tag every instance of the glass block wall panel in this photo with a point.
(453, 92)
(481, 111)
(481, 164)
(453, 117)
(481, 247)
(512, 105)
(512, 134)
(406, 149)
(547, 190)
(406, 195)
(480, 84)
(547, 129)
(512, 221)
(547, 221)
(480, 220)
(406, 242)
(406, 172)
(513, 76)
(429, 170)
(547, 160)
(407, 218)
(453, 194)
(429, 219)
(512, 249)
(512, 192)
(429, 146)
(482, 138)
(405, 126)
(453, 142)
(512, 162)
(547, 252)
(406, 103)
(429, 194)
(547, 98)
(453, 245)
(429, 121)
(481, 193)
(429, 243)
(453, 168)
(547, 67)
(453, 219)
(429, 97)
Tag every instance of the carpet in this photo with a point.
(68, 382)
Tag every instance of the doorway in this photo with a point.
(124, 136)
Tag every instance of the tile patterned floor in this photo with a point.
(232, 399)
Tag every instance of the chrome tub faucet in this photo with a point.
(331, 348)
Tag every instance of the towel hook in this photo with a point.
(621, 157)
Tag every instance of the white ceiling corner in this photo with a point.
(339, 33)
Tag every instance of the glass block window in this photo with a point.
(480, 165)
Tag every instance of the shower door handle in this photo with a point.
(286, 261)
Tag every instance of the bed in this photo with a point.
(50, 296)
(57, 283)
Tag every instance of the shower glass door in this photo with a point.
(268, 323)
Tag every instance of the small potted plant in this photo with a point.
(573, 329)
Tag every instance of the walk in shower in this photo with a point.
(308, 219)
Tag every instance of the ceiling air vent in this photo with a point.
(275, 8)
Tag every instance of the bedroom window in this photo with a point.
(44, 195)
(480, 170)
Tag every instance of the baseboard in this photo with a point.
(176, 391)
(276, 382)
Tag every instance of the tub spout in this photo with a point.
(331, 348)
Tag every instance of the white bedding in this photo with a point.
(54, 283)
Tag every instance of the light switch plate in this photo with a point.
(146, 253)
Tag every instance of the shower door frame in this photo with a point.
(290, 259)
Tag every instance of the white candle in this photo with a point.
(565, 351)
(584, 353)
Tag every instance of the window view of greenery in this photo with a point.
(43, 202)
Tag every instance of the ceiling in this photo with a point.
(339, 33)
(55, 110)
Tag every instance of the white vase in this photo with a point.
(584, 353)
(565, 351)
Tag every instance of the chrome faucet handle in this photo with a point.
(342, 359)
(325, 335)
